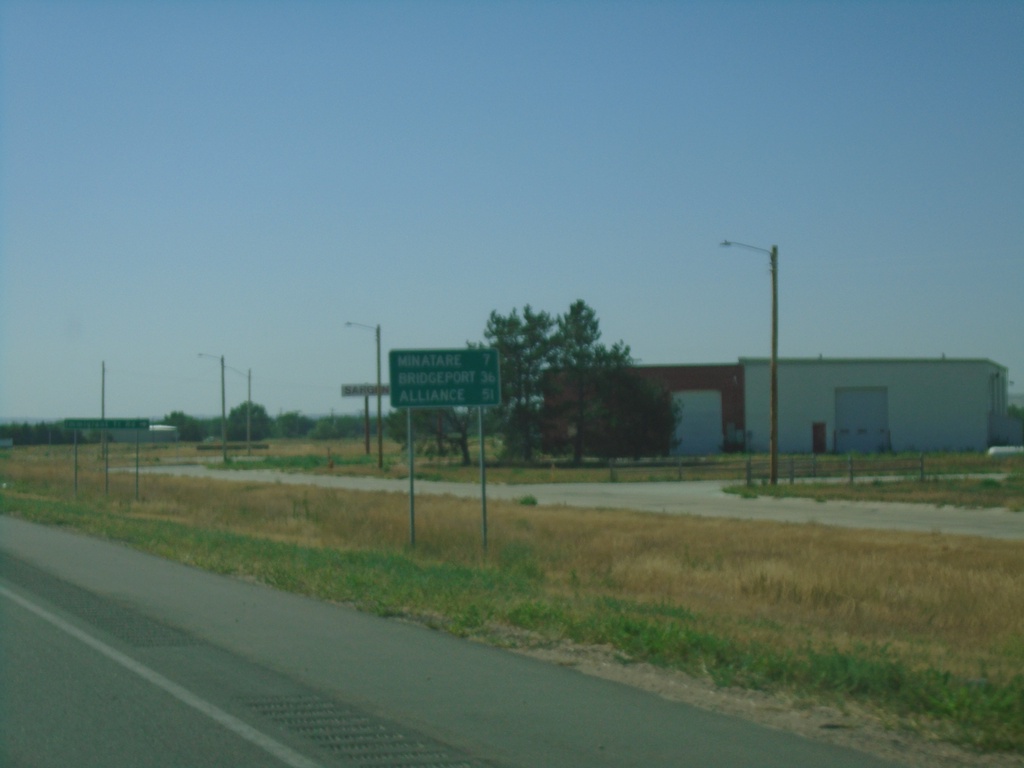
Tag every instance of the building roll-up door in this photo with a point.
(862, 420)
(699, 425)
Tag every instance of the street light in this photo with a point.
(248, 410)
(223, 409)
(773, 253)
(380, 431)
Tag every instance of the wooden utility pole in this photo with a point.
(223, 416)
(105, 449)
(774, 463)
(380, 426)
(773, 396)
(248, 419)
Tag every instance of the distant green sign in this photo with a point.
(106, 423)
(444, 378)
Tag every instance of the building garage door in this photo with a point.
(699, 427)
(862, 420)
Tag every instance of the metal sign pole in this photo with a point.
(412, 497)
(136, 465)
(483, 480)
(106, 464)
(104, 426)
(366, 422)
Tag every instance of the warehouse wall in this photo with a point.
(932, 404)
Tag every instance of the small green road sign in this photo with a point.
(443, 378)
(106, 423)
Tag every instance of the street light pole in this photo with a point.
(380, 430)
(248, 410)
(223, 415)
(774, 465)
(223, 410)
(773, 254)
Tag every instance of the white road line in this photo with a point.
(280, 751)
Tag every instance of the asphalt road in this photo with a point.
(67, 701)
(706, 499)
(113, 657)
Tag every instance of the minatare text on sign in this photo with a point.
(442, 378)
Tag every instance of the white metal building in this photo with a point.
(869, 405)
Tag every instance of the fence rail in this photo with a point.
(790, 469)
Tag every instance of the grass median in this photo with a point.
(1004, 491)
(925, 630)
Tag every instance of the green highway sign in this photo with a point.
(106, 423)
(443, 378)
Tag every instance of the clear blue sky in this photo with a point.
(242, 178)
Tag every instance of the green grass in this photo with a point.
(510, 590)
(972, 492)
(301, 463)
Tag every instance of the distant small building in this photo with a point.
(841, 405)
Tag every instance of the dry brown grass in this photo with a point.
(937, 600)
(951, 601)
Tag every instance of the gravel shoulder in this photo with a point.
(850, 726)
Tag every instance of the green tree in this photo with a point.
(437, 431)
(525, 346)
(637, 417)
(338, 427)
(1017, 412)
(293, 424)
(42, 433)
(190, 430)
(582, 363)
(238, 420)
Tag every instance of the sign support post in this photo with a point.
(365, 390)
(136, 465)
(412, 480)
(483, 481)
(104, 425)
(366, 421)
